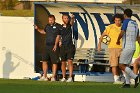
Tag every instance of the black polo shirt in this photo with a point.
(51, 33)
(66, 34)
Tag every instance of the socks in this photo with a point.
(127, 78)
(116, 78)
(130, 73)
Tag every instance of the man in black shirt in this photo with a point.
(67, 47)
(52, 31)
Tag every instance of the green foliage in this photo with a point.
(22, 13)
(8, 4)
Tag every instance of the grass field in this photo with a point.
(29, 86)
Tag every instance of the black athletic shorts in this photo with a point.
(50, 55)
(67, 52)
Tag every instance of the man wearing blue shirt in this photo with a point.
(129, 34)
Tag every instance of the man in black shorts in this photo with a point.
(52, 31)
(67, 47)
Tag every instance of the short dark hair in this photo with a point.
(118, 16)
(65, 15)
(128, 12)
(51, 16)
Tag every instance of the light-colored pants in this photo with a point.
(114, 54)
(126, 56)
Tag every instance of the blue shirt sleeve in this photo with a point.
(125, 24)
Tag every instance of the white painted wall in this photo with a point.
(16, 47)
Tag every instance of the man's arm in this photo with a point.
(39, 30)
(100, 40)
(60, 42)
(123, 30)
(120, 36)
(138, 39)
(56, 42)
(72, 20)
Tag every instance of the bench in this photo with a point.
(85, 58)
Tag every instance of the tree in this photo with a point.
(131, 2)
(3, 4)
(8, 4)
(27, 5)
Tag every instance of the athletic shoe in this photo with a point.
(63, 80)
(132, 81)
(126, 86)
(69, 80)
(136, 82)
(43, 79)
(53, 79)
(118, 82)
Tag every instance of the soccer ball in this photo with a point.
(106, 39)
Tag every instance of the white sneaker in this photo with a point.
(43, 79)
(132, 81)
(46, 79)
(53, 79)
(69, 80)
(63, 80)
(118, 82)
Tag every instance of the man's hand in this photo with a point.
(118, 42)
(119, 37)
(54, 48)
(39, 30)
(36, 27)
(72, 16)
(60, 43)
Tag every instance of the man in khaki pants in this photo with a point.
(113, 32)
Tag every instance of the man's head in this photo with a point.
(118, 18)
(128, 13)
(51, 19)
(65, 19)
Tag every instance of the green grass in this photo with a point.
(29, 86)
(22, 13)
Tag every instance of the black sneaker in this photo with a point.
(136, 82)
(126, 86)
(124, 82)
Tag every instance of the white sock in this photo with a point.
(127, 78)
(116, 78)
(130, 72)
